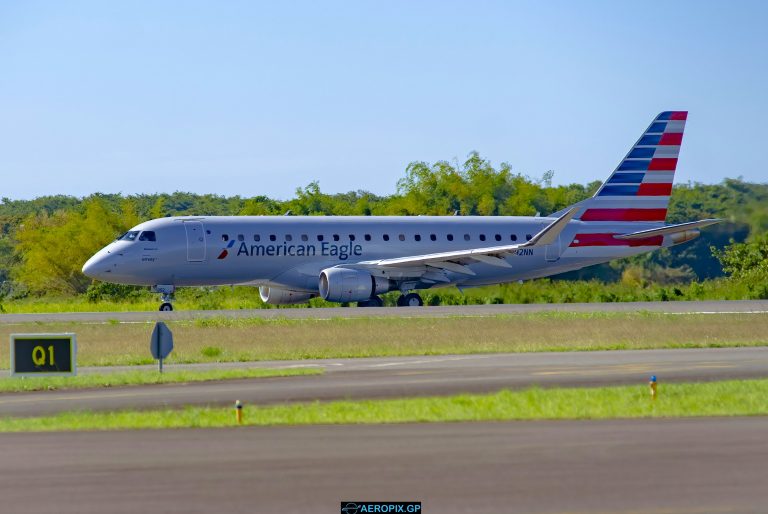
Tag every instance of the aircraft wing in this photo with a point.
(426, 265)
(669, 229)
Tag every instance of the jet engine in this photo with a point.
(350, 285)
(275, 296)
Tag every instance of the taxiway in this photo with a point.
(408, 376)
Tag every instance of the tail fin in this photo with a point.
(639, 188)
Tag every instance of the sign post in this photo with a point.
(161, 343)
(43, 355)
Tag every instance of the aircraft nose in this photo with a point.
(96, 267)
(89, 267)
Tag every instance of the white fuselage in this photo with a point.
(289, 252)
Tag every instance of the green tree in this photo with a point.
(745, 260)
(53, 248)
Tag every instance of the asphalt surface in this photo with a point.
(704, 465)
(410, 376)
(709, 465)
(439, 311)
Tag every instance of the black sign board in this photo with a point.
(43, 354)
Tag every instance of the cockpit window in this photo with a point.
(129, 236)
(147, 235)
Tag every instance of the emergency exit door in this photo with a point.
(195, 241)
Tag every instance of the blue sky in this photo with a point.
(257, 98)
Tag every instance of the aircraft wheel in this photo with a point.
(376, 302)
(410, 300)
(373, 302)
(166, 306)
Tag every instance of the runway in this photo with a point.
(409, 376)
(389, 312)
(703, 465)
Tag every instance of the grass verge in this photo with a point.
(729, 398)
(254, 339)
(133, 378)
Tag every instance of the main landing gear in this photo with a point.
(410, 300)
(405, 300)
(375, 301)
(166, 293)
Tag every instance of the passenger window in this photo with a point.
(466, 237)
(449, 237)
(385, 237)
(433, 237)
(224, 237)
(401, 237)
(304, 237)
(482, 237)
(351, 237)
(512, 237)
(417, 237)
(319, 237)
(272, 237)
(497, 237)
(256, 237)
(336, 237)
(240, 237)
(288, 237)
(367, 237)
(147, 235)
(528, 237)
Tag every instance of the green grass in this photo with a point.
(143, 377)
(730, 398)
(253, 339)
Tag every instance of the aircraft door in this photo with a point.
(552, 252)
(195, 241)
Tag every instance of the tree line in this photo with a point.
(45, 241)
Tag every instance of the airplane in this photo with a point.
(357, 258)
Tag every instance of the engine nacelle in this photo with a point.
(350, 285)
(275, 296)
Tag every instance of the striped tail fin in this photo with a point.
(639, 188)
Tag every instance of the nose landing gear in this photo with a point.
(166, 296)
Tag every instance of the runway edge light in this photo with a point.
(652, 384)
(239, 412)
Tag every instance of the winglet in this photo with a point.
(549, 234)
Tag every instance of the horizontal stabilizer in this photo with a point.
(669, 229)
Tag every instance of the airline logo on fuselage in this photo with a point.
(225, 251)
(325, 249)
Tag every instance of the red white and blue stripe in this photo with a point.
(639, 188)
